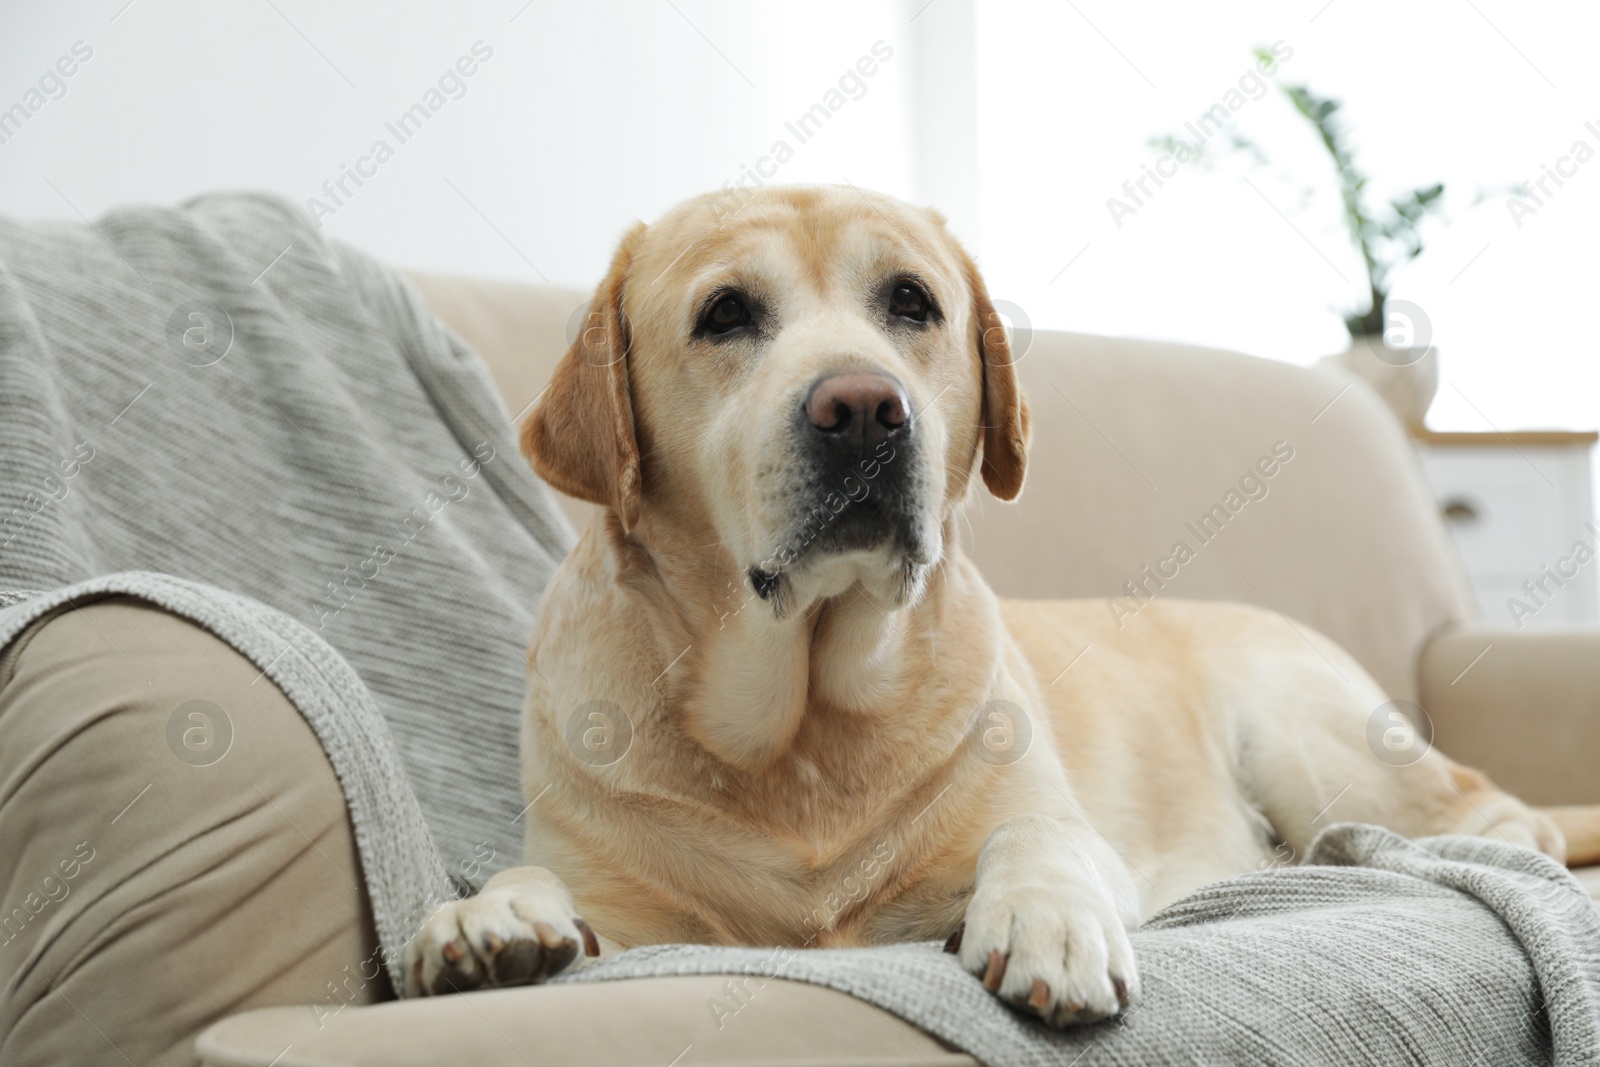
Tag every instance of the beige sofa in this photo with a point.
(1134, 443)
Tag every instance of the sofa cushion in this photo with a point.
(1140, 447)
(649, 1022)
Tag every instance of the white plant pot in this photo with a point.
(1406, 378)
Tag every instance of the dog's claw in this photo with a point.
(995, 972)
(952, 943)
(591, 943)
(1039, 999)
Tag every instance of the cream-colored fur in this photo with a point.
(881, 749)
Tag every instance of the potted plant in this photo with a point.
(1390, 340)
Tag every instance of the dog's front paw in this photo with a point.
(1058, 952)
(519, 932)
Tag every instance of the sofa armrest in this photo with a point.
(1523, 706)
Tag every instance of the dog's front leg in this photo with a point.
(520, 930)
(1047, 926)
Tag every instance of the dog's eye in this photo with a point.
(728, 313)
(909, 302)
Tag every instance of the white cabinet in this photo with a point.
(1520, 506)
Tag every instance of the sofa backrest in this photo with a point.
(1156, 470)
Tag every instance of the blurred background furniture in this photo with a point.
(1516, 503)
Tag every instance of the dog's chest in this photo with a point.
(829, 899)
(848, 882)
(809, 877)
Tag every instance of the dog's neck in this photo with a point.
(751, 685)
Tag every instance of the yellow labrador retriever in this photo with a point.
(770, 701)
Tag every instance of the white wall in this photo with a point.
(584, 118)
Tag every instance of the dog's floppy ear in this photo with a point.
(1005, 410)
(580, 437)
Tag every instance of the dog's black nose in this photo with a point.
(859, 409)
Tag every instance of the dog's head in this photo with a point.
(804, 379)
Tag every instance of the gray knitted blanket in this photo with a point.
(1446, 952)
(217, 410)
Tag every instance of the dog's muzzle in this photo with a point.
(856, 490)
(856, 441)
